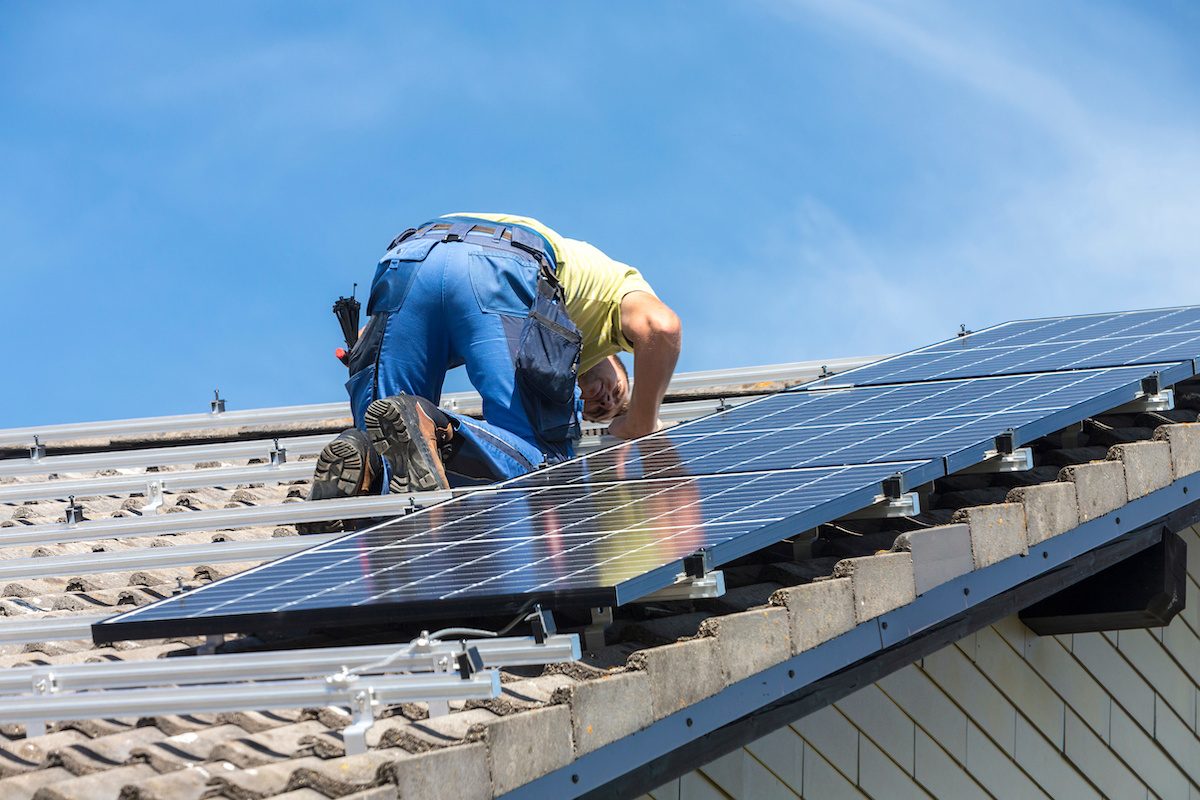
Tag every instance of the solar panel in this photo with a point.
(863, 425)
(614, 525)
(1043, 345)
(495, 551)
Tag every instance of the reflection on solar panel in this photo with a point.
(614, 526)
(490, 552)
(1043, 345)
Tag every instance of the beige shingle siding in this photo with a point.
(1002, 713)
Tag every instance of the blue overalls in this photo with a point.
(483, 294)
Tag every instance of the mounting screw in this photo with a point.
(74, 511)
(962, 331)
(218, 403)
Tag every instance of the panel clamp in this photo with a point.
(1152, 397)
(1004, 457)
(893, 501)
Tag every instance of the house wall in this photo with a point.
(1002, 713)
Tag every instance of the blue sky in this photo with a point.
(185, 190)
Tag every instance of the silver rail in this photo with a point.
(361, 694)
(138, 558)
(150, 482)
(464, 402)
(220, 519)
(435, 656)
(161, 456)
(20, 630)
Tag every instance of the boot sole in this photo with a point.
(410, 459)
(339, 473)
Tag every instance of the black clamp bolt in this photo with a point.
(1006, 442)
(893, 486)
(542, 621)
(698, 564)
(1152, 384)
(469, 661)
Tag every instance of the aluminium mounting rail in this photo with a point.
(139, 558)
(391, 505)
(161, 456)
(464, 402)
(222, 476)
(148, 483)
(428, 656)
(360, 694)
(37, 628)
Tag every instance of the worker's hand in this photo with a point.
(627, 427)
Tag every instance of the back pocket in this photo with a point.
(395, 274)
(503, 284)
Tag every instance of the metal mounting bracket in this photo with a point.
(687, 588)
(211, 643)
(278, 454)
(37, 449)
(154, 497)
(218, 403)
(74, 511)
(1163, 400)
(362, 711)
(593, 634)
(1018, 460)
(906, 505)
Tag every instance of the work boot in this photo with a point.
(411, 434)
(346, 467)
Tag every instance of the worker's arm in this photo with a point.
(654, 331)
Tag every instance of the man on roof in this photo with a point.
(536, 318)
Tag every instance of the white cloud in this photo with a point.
(1109, 220)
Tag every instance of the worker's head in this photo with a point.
(605, 390)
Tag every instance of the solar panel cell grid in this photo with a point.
(863, 425)
(1057, 344)
(527, 542)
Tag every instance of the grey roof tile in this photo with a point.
(186, 783)
(105, 785)
(104, 752)
(181, 749)
(24, 787)
(268, 746)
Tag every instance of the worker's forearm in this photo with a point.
(653, 366)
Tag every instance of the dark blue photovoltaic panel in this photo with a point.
(863, 425)
(1042, 345)
(612, 526)
(532, 543)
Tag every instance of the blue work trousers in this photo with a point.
(436, 305)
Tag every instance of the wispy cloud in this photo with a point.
(1107, 219)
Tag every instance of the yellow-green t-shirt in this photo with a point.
(594, 285)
